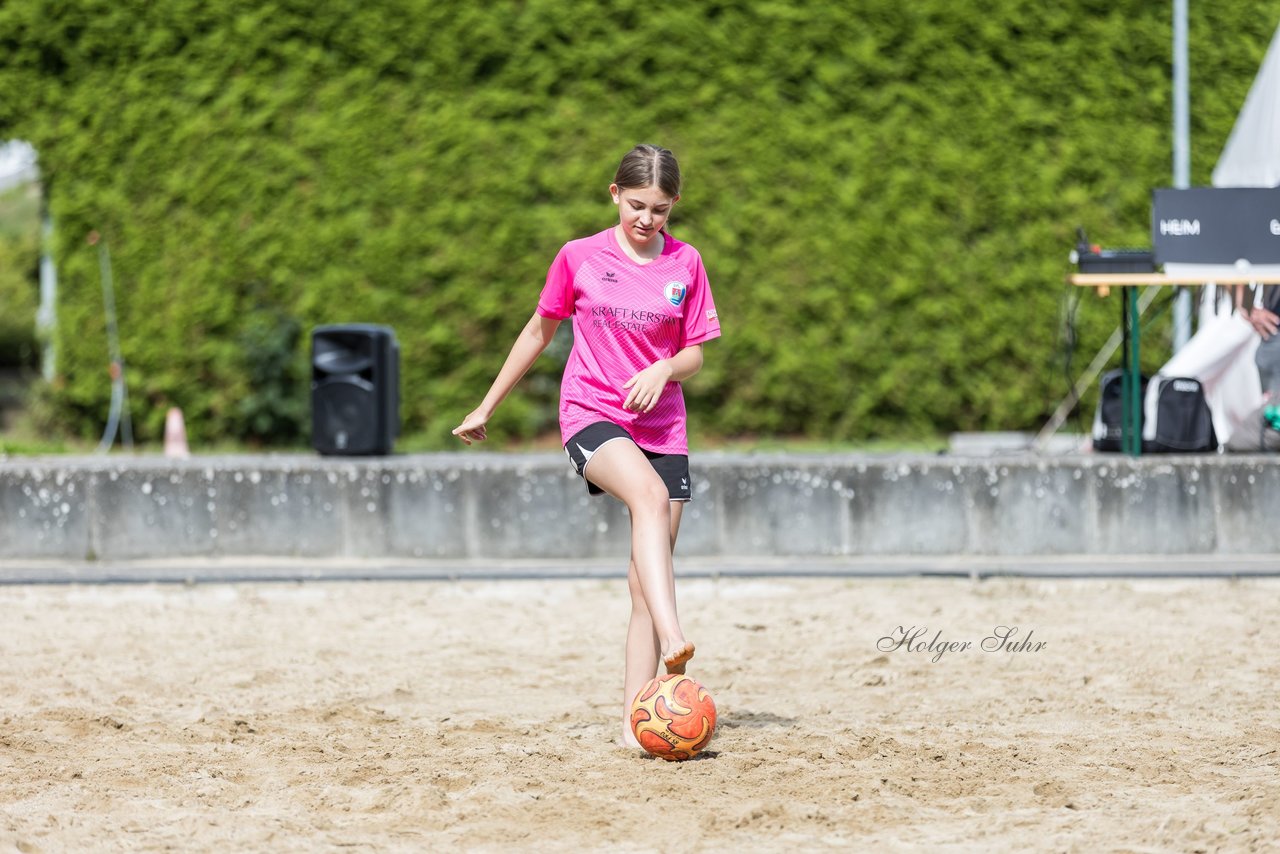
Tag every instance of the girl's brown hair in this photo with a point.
(648, 165)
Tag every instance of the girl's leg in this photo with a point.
(620, 469)
(642, 641)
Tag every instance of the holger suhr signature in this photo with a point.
(913, 639)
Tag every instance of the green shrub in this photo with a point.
(19, 276)
(884, 193)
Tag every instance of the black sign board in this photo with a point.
(1216, 225)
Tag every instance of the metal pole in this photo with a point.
(1181, 154)
(119, 415)
(1132, 440)
(47, 313)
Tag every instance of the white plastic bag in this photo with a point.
(1220, 355)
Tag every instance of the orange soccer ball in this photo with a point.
(673, 717)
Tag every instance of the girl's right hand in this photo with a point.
(472, 427)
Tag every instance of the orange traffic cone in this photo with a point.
(175, 434)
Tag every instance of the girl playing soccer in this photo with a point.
(641, 308)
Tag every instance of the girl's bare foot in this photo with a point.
(675, 659)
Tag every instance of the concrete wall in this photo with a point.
(488, 506)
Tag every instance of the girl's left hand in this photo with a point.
(646, 387)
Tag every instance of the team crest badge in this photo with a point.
(675, 293)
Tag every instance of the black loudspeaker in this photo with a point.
(355, 389)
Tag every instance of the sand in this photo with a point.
(409, 716)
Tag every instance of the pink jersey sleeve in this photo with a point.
(556, 300)
(700, 320)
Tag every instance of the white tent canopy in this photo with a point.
(1251, 157)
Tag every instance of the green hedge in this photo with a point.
(884, 193)
(19, 275)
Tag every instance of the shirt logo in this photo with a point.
(711, 314)
(609, 277)
(675, 292)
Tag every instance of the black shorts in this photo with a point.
(672, 468)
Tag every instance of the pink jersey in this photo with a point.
(626, 316)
